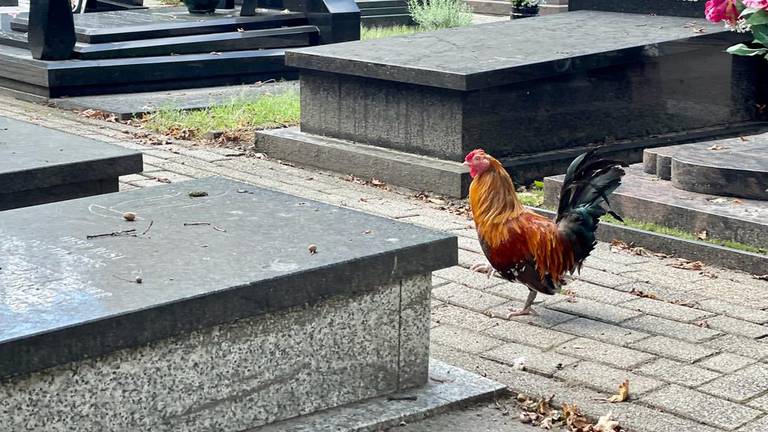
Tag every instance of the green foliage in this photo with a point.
(239, 114)
(440, 14)
(757, 22)
(367, 33)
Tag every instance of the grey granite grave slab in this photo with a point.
(684, 8)
(234, 322)
(40, 165)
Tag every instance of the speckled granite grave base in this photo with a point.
(240, 375)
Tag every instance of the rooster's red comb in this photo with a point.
(472, 154)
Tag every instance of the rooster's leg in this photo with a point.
(483, 268)
(526, 310)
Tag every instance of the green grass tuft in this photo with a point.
(440, 14)
(369, 33)
(267, 111)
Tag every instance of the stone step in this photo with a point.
(643, 197)
(401, 10)
(91, 77)
(40, 165)
(385, 20)
(490, 7)
(736, 167)
(221, 288)
(286, 37)
(374, 4)
(119, 26)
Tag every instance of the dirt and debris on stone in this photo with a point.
(622, 395)
(621, 246)
(457, 207)
(541, 413)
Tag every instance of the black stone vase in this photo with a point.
(524, 12)
(51, 33)
(201, 6)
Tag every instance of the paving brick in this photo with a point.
(529, 335)
(545, 363)
(760, 425)
(603, 278)
(607, 379)
(676, 296)
(467, 277)
(460, 317)
(544, 317)
(589, 349)
(741, 385)
(673, 348)
(666, 310)
(583, 289)
(126, 187)
(519, 292)
(701, 407)
(666, 275)
(738, 293)
(594, 310)
(661, 326)
(737, 327)
(470, 245)
(678, 373)
(438, 224)
(463, 340)
(726, 362)
(735, 311)
(601, 331)
(740, 345)
(638, 418)
(466, 297)
(760, 403)
(467, 259)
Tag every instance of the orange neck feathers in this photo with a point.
(494, 202)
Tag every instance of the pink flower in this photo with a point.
(719, 10)
(756, 4)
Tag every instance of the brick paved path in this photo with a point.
(695, 358)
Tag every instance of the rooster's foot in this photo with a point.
(512, 313)
(483, 268)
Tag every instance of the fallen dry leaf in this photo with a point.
(716, 147)
(687, 264)
(702, 235)
(312, 249)
(129, 216)
(623, 394)
(761, 277)
(606, 424)
(643, 294)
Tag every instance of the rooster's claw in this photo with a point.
(483, 268)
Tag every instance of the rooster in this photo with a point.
(524, 246)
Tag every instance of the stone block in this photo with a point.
(701, 407)
(740, 385)
(589, 349)
(538, 337)
(740, 345)
(607, 379)
(463, 340)
(463, 296)
(583, 289)
(640, 418)
(611, 334)
(603, 278)
(545, 317)
(760, 403)
(666, 310)
(661, 326)
(717, 306)
(533, 359)
(595, 310)
(756, 426)
(726, 362)
(673, 349)
(678, 373)
(467, 277)
(460, 317)
(737, 327)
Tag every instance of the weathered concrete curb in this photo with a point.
(696, 251)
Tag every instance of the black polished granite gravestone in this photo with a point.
(534, 92)
(209, 312)
(682, 8)
(169, 48)
(51, 33)
(40, 165)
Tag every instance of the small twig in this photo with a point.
(196, 223)
(399, 398)
(136, 280)
(128, 233)
(219, 229)
(148, 227)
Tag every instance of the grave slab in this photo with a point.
(682, 8)
(40, 165)
(517, 88)
(235, 323)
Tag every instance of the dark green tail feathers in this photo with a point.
(588, 183)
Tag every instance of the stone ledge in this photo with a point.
(255, 261)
